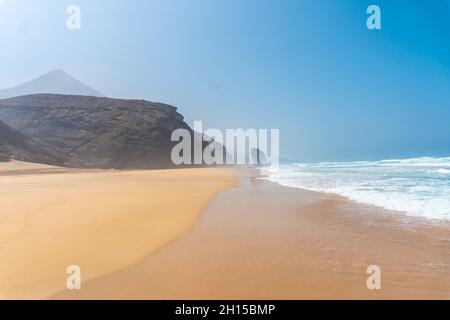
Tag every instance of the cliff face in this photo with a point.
(15, 145)
(101, 132)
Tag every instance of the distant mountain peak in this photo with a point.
(56, 81)
(57, 72)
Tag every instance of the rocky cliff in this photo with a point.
(101, 132)
(15, 145)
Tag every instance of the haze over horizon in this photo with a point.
(336, 90)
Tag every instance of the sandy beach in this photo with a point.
(101, 221)
(20, 168)
(205, 234)
(264, 241)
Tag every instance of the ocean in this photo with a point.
(417, 187)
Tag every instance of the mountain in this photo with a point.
(56, 82)
(17, 146)
(102, 132)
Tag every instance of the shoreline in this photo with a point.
(400, 216)
(265, 241)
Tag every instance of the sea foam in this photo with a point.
(417, 187)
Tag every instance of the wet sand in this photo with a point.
(101, 221)
(264, 241)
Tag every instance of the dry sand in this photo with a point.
(19, 167)
(264, 241)
(101, 221)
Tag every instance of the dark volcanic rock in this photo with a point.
(15, 145)
(102, 132)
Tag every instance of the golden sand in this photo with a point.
(128, 233)
(100, 221)
(14, 167)
(264, 241)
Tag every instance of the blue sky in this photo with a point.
(336, 90)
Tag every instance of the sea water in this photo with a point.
(417, 187)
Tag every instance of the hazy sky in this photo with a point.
(336, 90)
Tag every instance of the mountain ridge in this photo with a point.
(56, 81)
